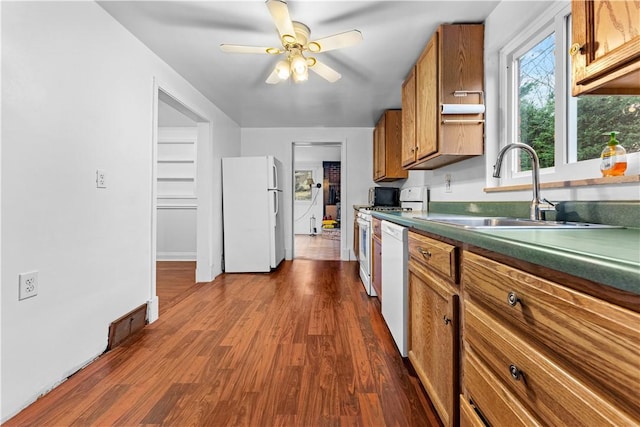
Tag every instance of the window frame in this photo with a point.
(556, 19)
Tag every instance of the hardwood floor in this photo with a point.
(174, 280)
(302, 346)
(324, 246)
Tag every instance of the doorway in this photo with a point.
(317, 213)
(175, 201)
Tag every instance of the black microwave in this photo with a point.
(384, 196)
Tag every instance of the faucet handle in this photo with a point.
(546, 205)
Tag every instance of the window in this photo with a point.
(536, 102)
(567, 133)
(303, 181)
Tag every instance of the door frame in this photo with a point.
(204, 247)
(344, 250)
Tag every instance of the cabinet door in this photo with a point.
(427, 100)
(379, 149)
(409, 119)
(606, 47)
(433, 339)
(356, 235)
(376, 269)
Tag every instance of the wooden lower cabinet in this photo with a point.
(356, 235)
(496, 402)
(433, 332)
(538, 353)
(506, 347)
(469, 417)
(376, 257)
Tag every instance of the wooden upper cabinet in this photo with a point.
(378, 149)
(606, 47)
(450, 70)
(427, 100)
(387, 146)
(409, 119)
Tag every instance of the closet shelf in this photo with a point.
(175, 178)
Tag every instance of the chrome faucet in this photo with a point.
(538, 204)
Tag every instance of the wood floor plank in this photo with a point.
(301, 346)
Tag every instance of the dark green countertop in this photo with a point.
(608, 256)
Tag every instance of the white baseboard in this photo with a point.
(153, 309)
(176, 256)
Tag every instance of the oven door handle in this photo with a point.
(363, 223)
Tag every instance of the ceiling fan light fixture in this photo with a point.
(298, 65)
(295, 36)
(301, 77)
(283, 69)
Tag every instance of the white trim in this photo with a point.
(344, 250)
(178, 196)
(153, 311)
(186, 207)
(176, 256)
(203, 273)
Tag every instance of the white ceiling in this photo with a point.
(187, 35)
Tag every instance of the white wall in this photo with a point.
(311, 157)
(357, 166)
(470, 177)
(77, 95)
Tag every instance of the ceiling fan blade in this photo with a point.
(326, 72)
(273, 78)
(336, 41)
(280, 14)
(236, 48)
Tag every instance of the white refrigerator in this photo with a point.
(252, 214)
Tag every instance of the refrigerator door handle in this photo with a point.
(275, 176)
(275, 200)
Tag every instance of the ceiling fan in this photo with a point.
(297, 47)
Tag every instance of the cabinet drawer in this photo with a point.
(496, 404)
(597, 341)
(434, 254)
(542, 386)
(468, 416)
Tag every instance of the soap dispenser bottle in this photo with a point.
(613, 158)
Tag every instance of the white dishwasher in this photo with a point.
(395, 294)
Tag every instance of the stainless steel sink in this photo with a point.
(510, 223)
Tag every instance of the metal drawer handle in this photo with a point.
(513, 299)
(425, 253)
(516, 373)
(446, 319)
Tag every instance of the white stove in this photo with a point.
(413, 198)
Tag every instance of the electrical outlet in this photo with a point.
(28, 285)
(447, 183)
(101, 179)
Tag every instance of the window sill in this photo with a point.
(568, 184)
